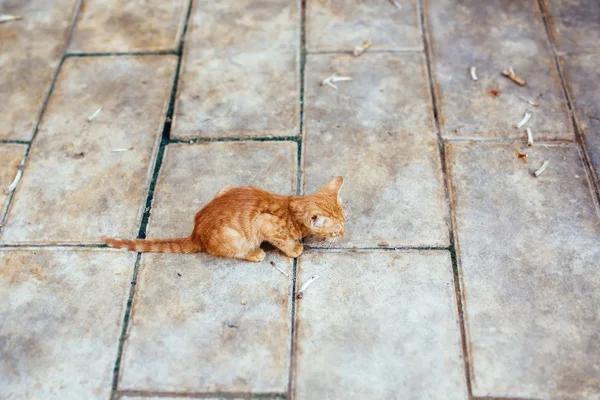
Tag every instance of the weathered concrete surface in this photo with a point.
(378, 325)
(30, 51)
(191, 176)
(583, 74)
(240, 70)
(574, 24)
(382, 140)
(61, 313)
(529, 254)
(337, 25)
(75, 188)
(10, 158)
(492, 36)
(194, 333)
(128, 26)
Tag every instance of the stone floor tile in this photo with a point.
(574, 24)
(494, 35)
(383, 142)
(378, 325)
(75, 188)
(529, 256)
(129, 26)
(201, 323)
(10, 157)
(240, 70)
(191, 176)
(30, 51)
(582, 71)
(340, 25)
(61, 316)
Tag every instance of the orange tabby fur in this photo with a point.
(238, 220)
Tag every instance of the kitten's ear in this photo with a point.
(334, 186)
(318, 221)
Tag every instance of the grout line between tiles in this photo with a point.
(9, 200)
(349, 51)
(593, 180)
(235, 139)
(291, 394)
(123, 54)
(453, 248)
(123, 394)
(166, 133)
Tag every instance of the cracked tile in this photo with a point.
(582, 70)
(341, 25)
(30, 51)
(383, 142)
(386, 320)
(529, 256)
(493, 36)
(128, 26)
(574, 24)
(193, 332)
(75, 188)
(240, 71)
(61, 321)
(191, 176)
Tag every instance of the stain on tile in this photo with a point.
(75, 188)
(61, 315)
(30, 51)
(224, 325)
(492, 36)
(383, 142)
(129, 26)
(378, 325)
(529, 256)
(240, 71)
(337, 25)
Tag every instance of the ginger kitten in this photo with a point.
(238, 220)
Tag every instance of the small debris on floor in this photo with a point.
(279, 269)
(395, 3)
(358, 50)
(523, 121)
(306, 285)
(9, 17)
(495, 91)
(521, 156)
(244, 302)
(529, 137)
(541, 169)
(94, 115)
(178, 274)
(333, 79)
(15, 181)
(122, 150)
(510, 74)
(473, 72)
(531, 103)
(383, 244)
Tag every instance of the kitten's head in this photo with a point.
(324, 213)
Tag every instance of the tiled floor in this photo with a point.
(461, 275)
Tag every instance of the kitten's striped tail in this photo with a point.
(183, 245)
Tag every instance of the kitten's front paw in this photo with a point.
(255, 255)
(296, 251)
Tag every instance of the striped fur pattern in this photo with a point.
(238, 220)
